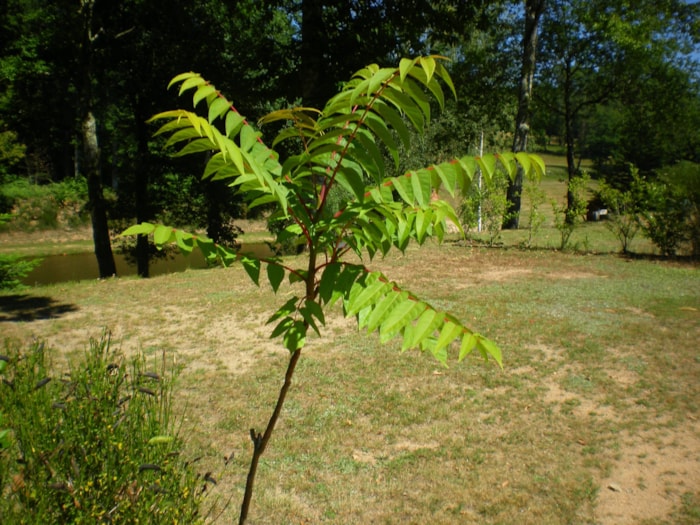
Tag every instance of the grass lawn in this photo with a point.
(594, 418)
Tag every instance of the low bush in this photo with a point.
(13, 269)
(94, 445)
(484, 207)
(47, 206)
(568, 217)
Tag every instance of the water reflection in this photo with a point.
(83, 266)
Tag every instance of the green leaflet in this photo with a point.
(405, 65)
(190, 82)
(327, 284)
(424, 220)
(449, 332)
(275, 275)
(468, 344)
(487, 164)
(186, 133)
(440, 354)
(196, 146)
(379, 78)
(428, 65)
(282, 327)
(418, 97)
(248, 138)
(252, 268)
(381, 311)
(489, 348)
(427, 323)
(409, 108)
(350, 178)
(233, 123)
(404, 313)
(312, 312)
(162, 235)
(432, 84)
(381, 130)
(295, 336)
(217, 109)
(285, 310)
(139, 229)
(365, 296)
(185, 241)
(420, 181)
(394, 118)
(181, 77)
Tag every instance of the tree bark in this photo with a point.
(141, 187)
(97, 204)
(91, 149)
(312, 48)
(569, 137)
(533, 12)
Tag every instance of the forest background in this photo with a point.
(615, 82)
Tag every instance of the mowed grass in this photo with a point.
(599, 387)
(600, 355)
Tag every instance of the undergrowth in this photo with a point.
(94, 445)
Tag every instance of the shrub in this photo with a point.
(568, 218)
(13, 269)
(683, 187)
(12, 153)
(536, 197)
(96, 445)
(484, 207)
(623, 208)
(669, 216)
(35, 206)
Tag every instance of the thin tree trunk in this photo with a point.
(97, 204)
(260, 440)
(569, 138)
(533, 12)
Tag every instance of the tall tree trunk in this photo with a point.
(91, 148)
(533, 12)
(141, 187)
(97, 204)
(312, 47)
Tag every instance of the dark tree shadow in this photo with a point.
(14, 308)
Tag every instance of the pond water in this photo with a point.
(83, 266)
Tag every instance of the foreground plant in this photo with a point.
(340, 160)
(96, 445)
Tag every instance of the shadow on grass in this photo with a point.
(14, 308)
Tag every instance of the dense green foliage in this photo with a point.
(616, 81)
(631, 97)
(665, 208)
(94, 445)
(43, 206)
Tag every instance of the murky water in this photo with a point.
(83, 266)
